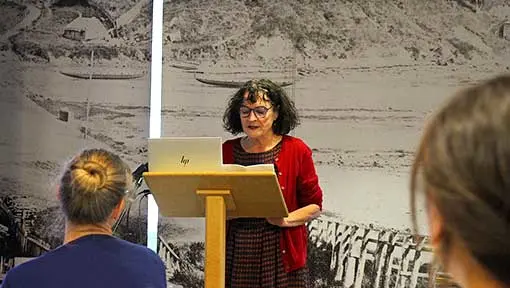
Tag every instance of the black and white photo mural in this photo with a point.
(74, 75)
(364, 75)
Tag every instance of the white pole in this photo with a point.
(155, 111)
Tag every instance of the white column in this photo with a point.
(155, 110)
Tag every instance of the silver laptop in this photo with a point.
(189, 154)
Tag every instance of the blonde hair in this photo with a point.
(463, 166)
(92, 185)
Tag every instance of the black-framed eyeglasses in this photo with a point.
(260, 111)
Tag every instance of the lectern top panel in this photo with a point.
(253, 193)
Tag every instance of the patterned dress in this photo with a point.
(253, 256)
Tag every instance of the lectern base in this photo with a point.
(215, 236)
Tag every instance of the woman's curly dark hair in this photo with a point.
(287, 113)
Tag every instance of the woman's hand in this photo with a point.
(278, 221)
(297, 217)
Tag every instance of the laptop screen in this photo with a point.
(190, 154)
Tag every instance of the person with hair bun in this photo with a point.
(92, 192)
(462, 166)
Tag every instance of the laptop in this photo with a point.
(186, 154)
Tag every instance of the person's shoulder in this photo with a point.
(231, 141)
(133, 246)
(19, 272)
(296, 143)
(229, 144)
(138, 250)
(30, 268)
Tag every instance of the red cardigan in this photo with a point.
(300, 187)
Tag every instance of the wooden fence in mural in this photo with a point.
(29, 244)
(359, 256)
(169, 257)
(372, 257)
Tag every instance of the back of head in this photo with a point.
(463, 163)
(92, 185)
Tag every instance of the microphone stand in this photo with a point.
(137, 175)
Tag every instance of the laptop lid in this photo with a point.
(190, 154)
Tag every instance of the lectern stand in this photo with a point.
(216, 195)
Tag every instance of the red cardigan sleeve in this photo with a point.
(308, 189)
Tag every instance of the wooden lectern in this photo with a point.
(216, 195)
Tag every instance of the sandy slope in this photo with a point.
(31, 133)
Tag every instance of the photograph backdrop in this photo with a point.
(364, 75)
